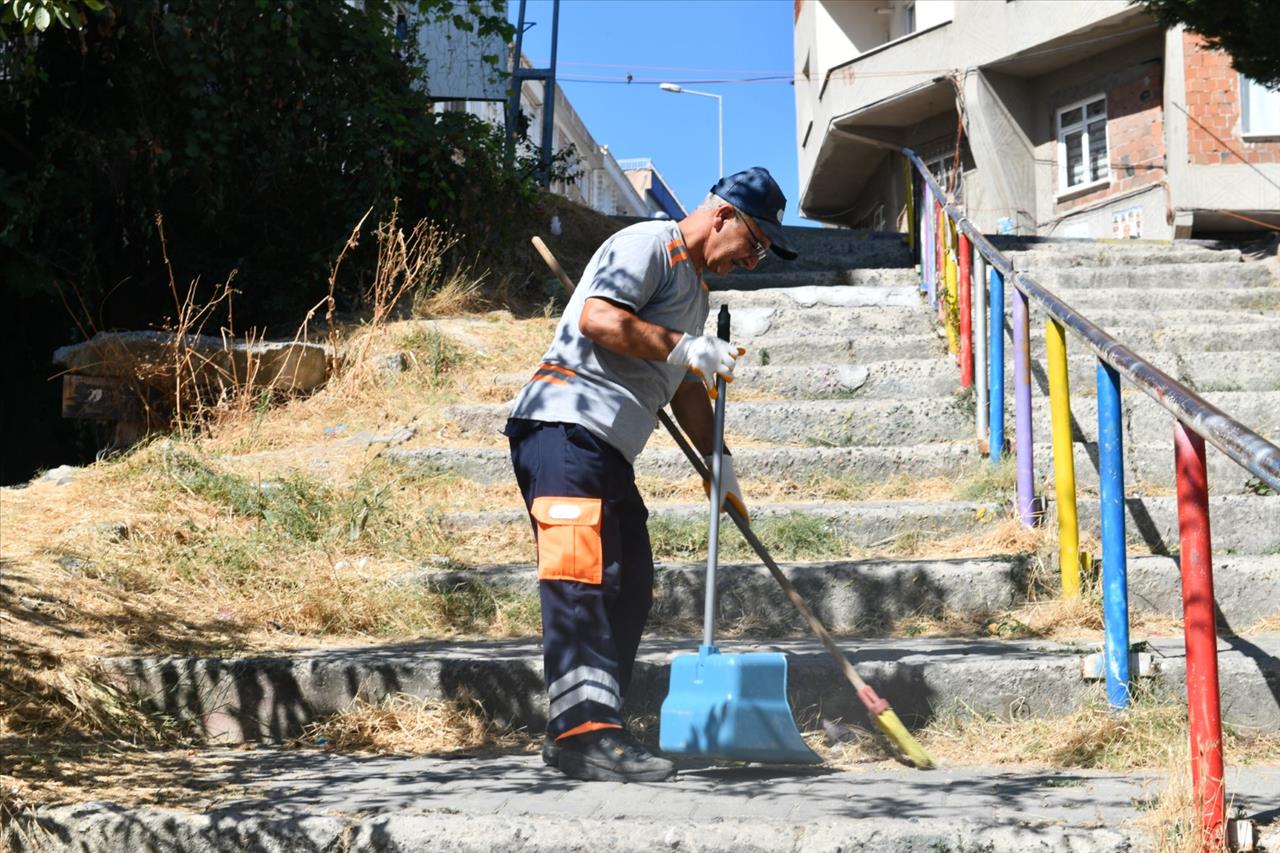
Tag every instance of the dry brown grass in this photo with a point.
(405, 724)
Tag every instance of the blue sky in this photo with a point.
(686, 42)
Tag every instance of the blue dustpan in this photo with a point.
(730, 707)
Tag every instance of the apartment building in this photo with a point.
(659, 197)
(1070, 118)
(460, 80)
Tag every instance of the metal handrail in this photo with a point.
(1240, 444)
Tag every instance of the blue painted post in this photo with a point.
(995, 364)
(1022, 407)
(1115, 584)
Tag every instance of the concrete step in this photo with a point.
(1088, 300)
(760, 322)
(809, 296)
(1147, 466)
(867, 597)
(1242, 524)
(1199, 277)
(1180, 336)
(1145, 421)
(833, 273)
(863, 597)
(1108, 256)
(860, 523)
(313, 800)
(894, 422)
(922, 377)
(834, 423)
(1246, 370)
(823, 347)
(272, 697)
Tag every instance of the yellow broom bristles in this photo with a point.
(887, 721)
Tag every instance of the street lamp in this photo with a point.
(680, 90)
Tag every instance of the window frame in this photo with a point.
(1245, 83)
(1083, 105)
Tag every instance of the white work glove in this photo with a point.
(730, 491)
(707, 356)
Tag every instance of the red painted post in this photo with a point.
(966, 313)
(1201, 637)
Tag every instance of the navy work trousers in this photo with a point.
(595, 567)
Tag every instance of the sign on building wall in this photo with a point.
(456, 68)
(1126, 224)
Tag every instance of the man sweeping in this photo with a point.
(630, 341)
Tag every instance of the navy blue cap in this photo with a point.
(755, 192)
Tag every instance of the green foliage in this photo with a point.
(262, 131)
(1246, 29)
(39, 15)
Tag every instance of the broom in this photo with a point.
(906, 746)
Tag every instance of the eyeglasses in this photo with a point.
(757, 244)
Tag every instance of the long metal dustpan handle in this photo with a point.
(717, 486)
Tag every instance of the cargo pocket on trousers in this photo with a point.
(569, 539)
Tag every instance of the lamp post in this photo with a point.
(680, 90)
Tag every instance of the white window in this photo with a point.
(1259, 109)
(1082, 145)
(909, 19)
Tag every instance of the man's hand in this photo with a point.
(730, 491)
(707, 356)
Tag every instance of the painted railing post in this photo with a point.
(948, 310)
(909, 189)
(1201, 636)
(1022, 407)
(1064, 468)
(940, 238)
(965, 255)
(928, 255)
(996, 365)
(980, 342)
(1115, 584)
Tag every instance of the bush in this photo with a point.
(261, 131)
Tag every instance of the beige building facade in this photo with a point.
(1068, 118)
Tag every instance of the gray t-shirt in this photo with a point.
(646, 268)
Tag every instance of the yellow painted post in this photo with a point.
(1064, 469)
(952, 314)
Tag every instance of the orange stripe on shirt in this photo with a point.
(542, 377)
(557, 368)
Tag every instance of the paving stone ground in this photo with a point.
(310, 800)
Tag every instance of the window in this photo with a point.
(943, 169)
(909, 19)
(1082, 145)
(1259, 109)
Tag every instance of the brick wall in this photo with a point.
(1135, 136)
(1213, 105)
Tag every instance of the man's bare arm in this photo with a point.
(619, 330)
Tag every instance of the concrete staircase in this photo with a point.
(853, 381)
(848, 377)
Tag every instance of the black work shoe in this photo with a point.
(550, 751)
(611, 755)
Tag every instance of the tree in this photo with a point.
(1248, 30)
(261, 130)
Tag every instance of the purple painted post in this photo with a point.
(1022, 405)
